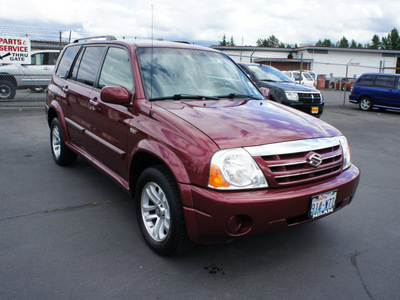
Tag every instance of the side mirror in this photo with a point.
(265, 92)
(115, 95)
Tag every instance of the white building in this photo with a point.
(329, 61)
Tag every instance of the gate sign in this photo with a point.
(15, 50)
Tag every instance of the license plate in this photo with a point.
(314, 110)
(322, 204)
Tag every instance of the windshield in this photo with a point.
(268, 73)
(308, 76)
(171, 73)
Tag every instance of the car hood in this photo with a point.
(288, 86)
(241, 123)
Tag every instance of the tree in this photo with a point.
(223, 42)
(344, 43)
(392, 41)
(353, 44)
(272, 41)
(231, 43)
(376, 42)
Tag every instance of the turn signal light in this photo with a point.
(216, 179)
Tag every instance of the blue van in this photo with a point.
(376, 90)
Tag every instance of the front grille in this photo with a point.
(290, 163)
(312, 98)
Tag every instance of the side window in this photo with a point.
(89, 65)
(38, 59)
(66, 61)
(398, 83)
(365, 80)
(52, 58)
(385, 81)
(117, 69)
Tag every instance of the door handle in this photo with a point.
(93, 102)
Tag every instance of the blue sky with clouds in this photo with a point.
(291, 21)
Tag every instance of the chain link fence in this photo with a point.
(23, 84)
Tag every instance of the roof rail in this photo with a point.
(106, 37)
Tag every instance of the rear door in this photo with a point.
(385, 92)
(109, 123)
(74, 91)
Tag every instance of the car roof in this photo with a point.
(381, 74)
(143, 43)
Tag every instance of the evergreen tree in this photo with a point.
(223, 42)
(231, 43)
(353, 44)
(376, 42)
(344, 43)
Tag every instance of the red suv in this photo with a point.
(206, 157)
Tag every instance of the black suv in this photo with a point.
(284, 90)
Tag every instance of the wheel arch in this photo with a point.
(150, 153)
(55, 111)
(9, 77)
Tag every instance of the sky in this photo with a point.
(206, 21)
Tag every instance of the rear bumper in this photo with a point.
(263, 210)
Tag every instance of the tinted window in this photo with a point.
(117, 69)
(52, 58)
(66, 61)
(90, 65)
(365, 80)
(385, 81)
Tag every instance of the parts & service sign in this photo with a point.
(15, 50)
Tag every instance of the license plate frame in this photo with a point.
(314, 109)
(322, 204)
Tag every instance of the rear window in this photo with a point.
(66, 61)
(385, 81)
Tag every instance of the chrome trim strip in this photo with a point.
(306, 173)
(293, 146)
(299, 162)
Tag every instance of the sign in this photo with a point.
(15, 50)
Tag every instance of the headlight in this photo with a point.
(346, 152)
(292, 96)
(235, 169)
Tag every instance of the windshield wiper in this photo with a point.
(185, 96)
(268, 80)
(233, 95)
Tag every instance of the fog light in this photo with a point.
(239, 225)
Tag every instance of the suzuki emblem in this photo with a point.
(314, 159)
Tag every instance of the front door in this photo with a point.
(109, 123)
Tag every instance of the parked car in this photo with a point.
(376, 90)
(206, 157)
(35, 76)
(343, 84)
(313, 76)
(306, 79)
(284, 90)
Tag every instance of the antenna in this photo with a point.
(151, 69)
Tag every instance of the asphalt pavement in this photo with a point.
(71, 233)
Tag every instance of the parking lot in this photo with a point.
(71, 233)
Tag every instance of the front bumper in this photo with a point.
(209, 219)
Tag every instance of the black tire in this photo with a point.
(162, 224)
(62, 155)
(365, 104)
(7, 90)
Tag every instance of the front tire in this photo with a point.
(7, 90)
(160, 212)
(365, 104)
(62, 155)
